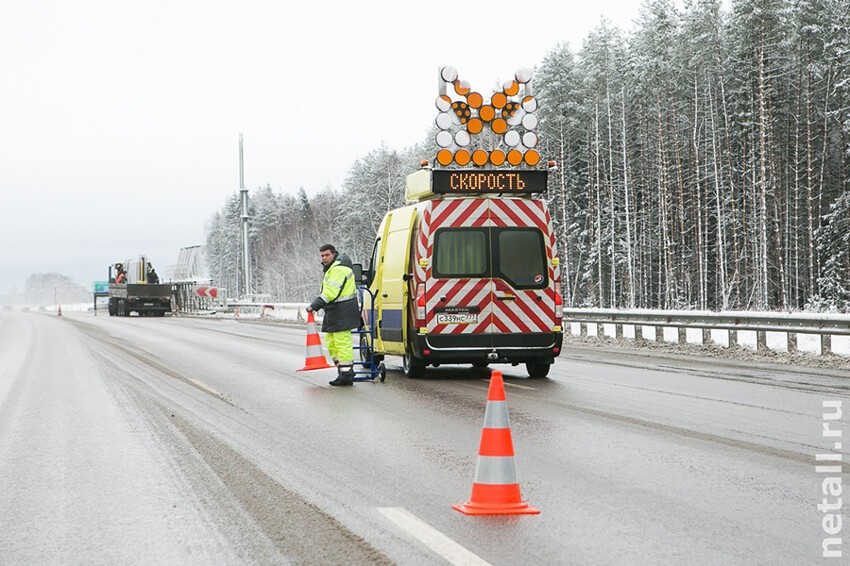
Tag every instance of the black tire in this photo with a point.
(414, 367)
(364, 348)
(382, 371)
(537, 370)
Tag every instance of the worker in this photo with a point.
(121, 277)
(339, 300)
(153, 278)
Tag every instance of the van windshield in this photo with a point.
(518, 255)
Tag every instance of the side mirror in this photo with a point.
(357, 268)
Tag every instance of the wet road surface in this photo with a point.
(195, 441)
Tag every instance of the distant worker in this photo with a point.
(153, 278)
(339, 299)
(121, 277)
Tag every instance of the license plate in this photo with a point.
(457, 318)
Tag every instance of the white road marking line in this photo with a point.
(508, 384)
(432, 538)
(204, 386)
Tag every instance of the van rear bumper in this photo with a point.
(471, 348)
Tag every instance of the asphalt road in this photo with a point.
(195, 441)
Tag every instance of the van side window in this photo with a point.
(373, 265)
(461, 252)
(521, 257)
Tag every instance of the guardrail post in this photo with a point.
(638, 333)
(683, 335)
(825, 344)
(761, 340)
(582, 329)
(706, 336)
(618, 331)
(659, 334)
(566, 328)
(733, 338)
(792, 342)
(600, 331)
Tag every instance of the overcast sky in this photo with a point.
(120, 120)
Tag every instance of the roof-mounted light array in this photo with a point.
(509, 114)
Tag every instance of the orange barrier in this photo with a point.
(495, 490)
(315, 357)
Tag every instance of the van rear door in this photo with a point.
(459, 291)
(524, 286)
(492, 276)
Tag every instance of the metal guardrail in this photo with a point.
(732, 322)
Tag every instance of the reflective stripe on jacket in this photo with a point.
(338, 299)
(338, 284)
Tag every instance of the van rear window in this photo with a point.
(518, 255)
(521, 257)
(461, 252)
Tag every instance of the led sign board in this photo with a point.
(469, 182)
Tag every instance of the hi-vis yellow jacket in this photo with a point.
(338, 297)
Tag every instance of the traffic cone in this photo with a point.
(315, 356)
(495, 490)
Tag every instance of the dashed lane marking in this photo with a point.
(453, 552)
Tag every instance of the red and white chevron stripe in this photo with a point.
(529, 310)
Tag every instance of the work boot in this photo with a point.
(345, 376)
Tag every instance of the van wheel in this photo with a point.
(537, 370)
(413, 367)
(364, 348)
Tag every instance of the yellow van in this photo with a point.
(468, 274)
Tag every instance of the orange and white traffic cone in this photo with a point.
(495, 490)
(315, 356)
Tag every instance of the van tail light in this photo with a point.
(420, 305)
(559, 302)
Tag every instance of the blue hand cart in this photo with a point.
(370, 365)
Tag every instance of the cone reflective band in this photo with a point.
(315, 356)
(495, 490)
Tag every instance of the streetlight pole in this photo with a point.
(246, 256)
